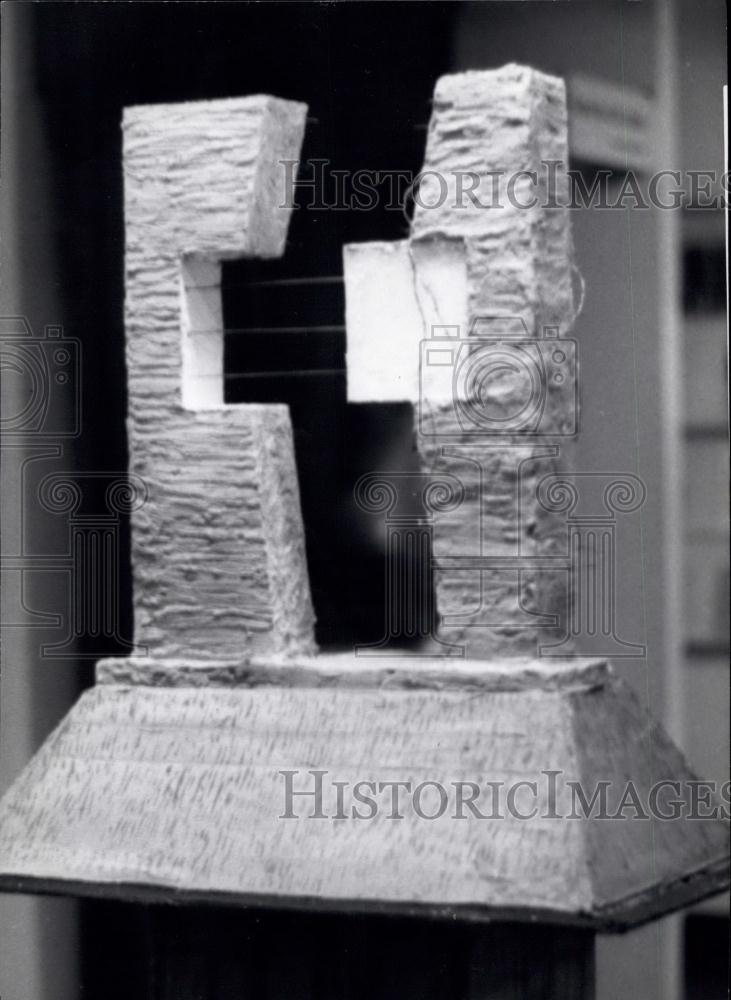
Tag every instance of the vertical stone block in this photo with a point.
(496, 162)
(218, 551)
(471, 298)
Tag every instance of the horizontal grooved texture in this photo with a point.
(487, 613)
(503, 261)
(507, 120)
(518, 264)
(218, 549)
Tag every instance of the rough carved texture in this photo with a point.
(503, 261)
(497, 612)
(206, 177)
(352, 671)
(143, 789)
(218, 550)
(507, 120)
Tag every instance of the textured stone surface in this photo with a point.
(163, 782)
(474, 255)
(177, 792)
(498, 610)
(349, 670)
(218, 550)
(507, 120)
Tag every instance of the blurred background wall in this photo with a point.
(651, 335)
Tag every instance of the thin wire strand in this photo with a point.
(298, 373)
(333, 279)
(276, 329)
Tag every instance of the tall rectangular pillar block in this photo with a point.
(218, 547)
(469, 320)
